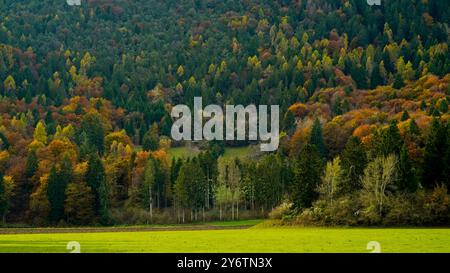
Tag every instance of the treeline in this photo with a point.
(378, 184)
(86, 92)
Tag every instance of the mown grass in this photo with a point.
(280, 239)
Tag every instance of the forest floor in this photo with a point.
(232, 237)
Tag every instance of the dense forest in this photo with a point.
(86, 94)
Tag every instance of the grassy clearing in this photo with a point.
(230, 152)
(182, 152)
(239, 152)
(281, 239)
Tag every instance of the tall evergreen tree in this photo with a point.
(92, 125)
(389, 141)
(307, 177)
(316, 138)
(436, 160)
(407, 174)
(56, 190)
(3, 199)
(95, 179)
(353, 162)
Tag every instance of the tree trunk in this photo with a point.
(232, 211)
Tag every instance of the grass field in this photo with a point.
(254, 239)
(230, 152)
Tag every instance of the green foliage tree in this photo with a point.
(436, 159)
(79, 204)
(353, 162)
(95, 179)
(316, 138)
(407, 174)
(56, 191)
(307, 173)
(3, 199)
(151, 139)
(92, 127)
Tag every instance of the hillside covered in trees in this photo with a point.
(86, 94)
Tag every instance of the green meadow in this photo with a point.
(247, 240)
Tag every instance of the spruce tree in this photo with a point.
(56, 190)
(95, 179)
(3, 199)
(353, 162)
(407, 180)
(316, 138)
(307, 177)
(389, 141)
(436, 155)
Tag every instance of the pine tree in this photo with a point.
(353, 162)
(405, 116)
(436, 161)
(3, 199)
(389, 141)
(407, 180)
(307, 176)
(316, 138)
(92, 126)
(56, 191)
(151, 139)
(95, 179)
(413, 128)
(31, 165)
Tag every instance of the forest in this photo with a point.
(86, 94)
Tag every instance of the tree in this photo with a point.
(378, 176)
(56, 191)
(208, 162)
(31, 165)
(436, 161)
(40, 133)
(307, 173)
(95, 179)
(316, 138)
(230, 176)
(3, 199)
(353, 162)
(405, 116)
(190, 188)
(332, 179)
(407, 174)
(389, 141)
(9, 84)
(79, 204)
(222, 197)
(151, 139)
(149, 183)
(268, 182)
(92, 127)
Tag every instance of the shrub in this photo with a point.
(281, 211)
